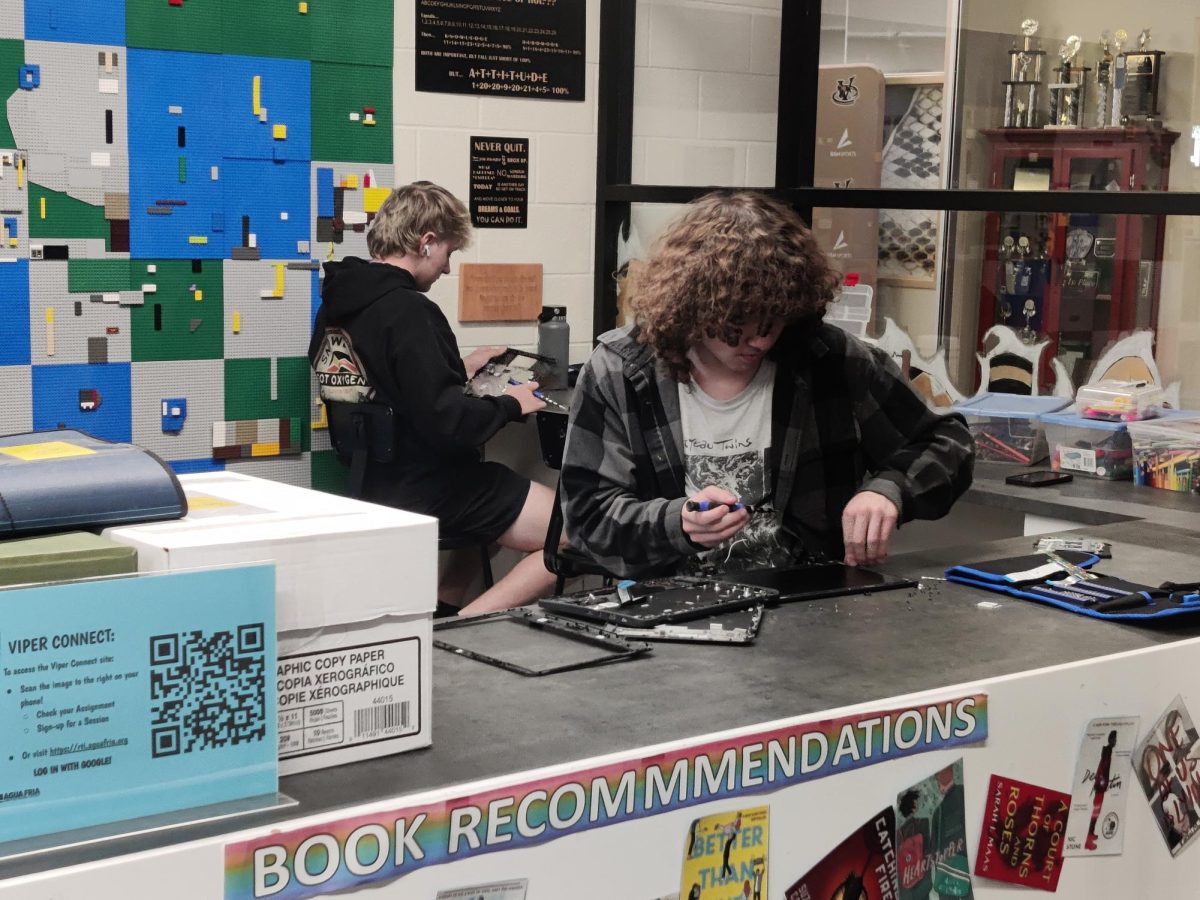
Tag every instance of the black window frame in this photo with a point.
(795, 154)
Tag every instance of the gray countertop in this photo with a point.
(1092, 501)
(809, 657)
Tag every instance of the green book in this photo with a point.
(61, 557)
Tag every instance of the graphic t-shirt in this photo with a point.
(725, 443)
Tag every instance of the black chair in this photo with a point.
(366, 432)
(566, 562)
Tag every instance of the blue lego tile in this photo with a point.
(56, 399)
(262, 189)
(325, 191)
(216, 97)
(286, 95)
(192, 82)
(257, 175)
(76, 21)
(154, 177)
(188, 466)
(14, 313)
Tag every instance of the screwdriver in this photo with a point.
(541, 396)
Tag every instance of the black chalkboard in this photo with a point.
(507, 48)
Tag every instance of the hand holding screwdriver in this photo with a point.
(526, 394)
(539, 394)
(713, 516)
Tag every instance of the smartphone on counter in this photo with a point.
(1040, 478)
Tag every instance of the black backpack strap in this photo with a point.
(361, 433)
(554, 535)
(358, 456)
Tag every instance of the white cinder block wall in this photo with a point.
(706, 84)
(432, 141)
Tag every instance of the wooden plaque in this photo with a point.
(499, 292)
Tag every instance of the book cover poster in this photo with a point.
(1021, 840)
(1167, 766)
(726, 856)
(863, 866)
(931, 838)
(498, 890)
(1096, 826)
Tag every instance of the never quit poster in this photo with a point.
(135, 695)
(499, 182)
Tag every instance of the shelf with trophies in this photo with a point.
(1078, 279)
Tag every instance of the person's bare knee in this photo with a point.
(528, 532)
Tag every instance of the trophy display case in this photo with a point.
(1077, 279)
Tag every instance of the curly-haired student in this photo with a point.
(732, 422)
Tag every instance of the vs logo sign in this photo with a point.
(846, 91)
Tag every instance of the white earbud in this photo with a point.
(426, 250)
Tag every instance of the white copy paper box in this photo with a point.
(355, 592)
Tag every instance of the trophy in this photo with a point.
(1139, 96)
(1067, 94)
(1028, 335)
(1120, 39)
(1008, 250)
(1103, 79)
(1024, 76)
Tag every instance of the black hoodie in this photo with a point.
(412, 363)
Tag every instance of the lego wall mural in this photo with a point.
(172, 175)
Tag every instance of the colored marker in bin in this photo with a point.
(541, 396)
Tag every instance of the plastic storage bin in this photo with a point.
(1088, 446)
(1008, 428)
(1119, 401)
(1166, 453)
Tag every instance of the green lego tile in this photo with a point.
(248, 391)
(337, 91)
(66, 217)
(157, 25)
(12, 57)
(176, 340)
(328, 474)
(268, 28)
(91, 276)
(352, 31)
(346, 31)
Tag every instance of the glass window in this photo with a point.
(1038, 97)
(958, 94)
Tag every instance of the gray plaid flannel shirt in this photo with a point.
(842, 412)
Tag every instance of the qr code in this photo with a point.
(207, 690)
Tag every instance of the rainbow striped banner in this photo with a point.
(348, 853)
